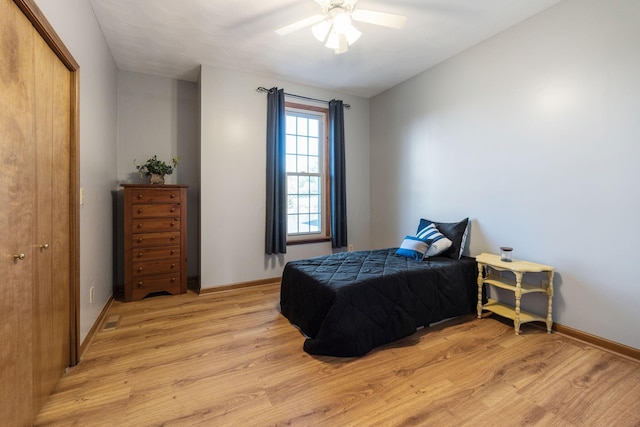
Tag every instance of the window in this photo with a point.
(307, 173)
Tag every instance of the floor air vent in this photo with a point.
(111, 323)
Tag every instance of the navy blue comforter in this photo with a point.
(349, 303)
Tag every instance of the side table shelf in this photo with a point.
(489, 268)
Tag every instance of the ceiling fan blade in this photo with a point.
(299, 25)
(385, 19)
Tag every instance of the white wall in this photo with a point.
(534, 135)
(160, 116)
(77, 27)
(233, 158)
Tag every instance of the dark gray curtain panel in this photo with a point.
(338, 175)
(276, 217)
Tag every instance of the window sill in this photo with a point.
(309, 240)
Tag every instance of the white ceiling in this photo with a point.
(172, 38)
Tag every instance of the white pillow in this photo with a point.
(437, 242)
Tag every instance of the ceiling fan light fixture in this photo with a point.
(341, 21)
(337, 42)
(343, 46)
(333, 41)
(341, 32)
(321, 30)
(352, 35)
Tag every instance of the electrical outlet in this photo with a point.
(81, 195)
(350, 248)
(91, 294)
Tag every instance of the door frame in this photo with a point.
(46, 31)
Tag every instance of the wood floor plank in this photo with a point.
(231, 359)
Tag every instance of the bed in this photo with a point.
(351, 302)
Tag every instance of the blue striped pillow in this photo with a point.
(437, 241)
(413, 247)
(454, 231)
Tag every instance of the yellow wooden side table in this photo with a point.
(490, 267)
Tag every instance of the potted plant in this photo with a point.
(156, 169)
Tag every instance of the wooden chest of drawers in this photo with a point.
(155, 240)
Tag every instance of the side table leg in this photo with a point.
(550, 296)
(480, 282)
(516, 321)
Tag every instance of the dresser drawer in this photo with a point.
(144, 286)
(155, 210)
(141, 240)
(156, 224)
(160, 252)
(151, 268)
(155, 195)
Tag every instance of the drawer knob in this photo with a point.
(173, 279)
(173, 251)
(19, 257)
(139, 269)
(139, 284)
(173, 224)
(173, 238)
(139, 254)
(140, 240)
(173, 266)
(139, 225)
(139, 196)
(139, 211)
(173, 209)
(173, 195)
(45, 246)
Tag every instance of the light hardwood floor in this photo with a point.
(231, 359)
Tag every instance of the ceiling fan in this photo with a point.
(334, 26)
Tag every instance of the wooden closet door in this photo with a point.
(17, 214)
(36, 205)
(61, 208)
(44, 375)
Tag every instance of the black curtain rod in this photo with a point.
(264, 90)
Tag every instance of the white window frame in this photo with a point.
(325, 211)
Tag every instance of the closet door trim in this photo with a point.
(46, 31)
